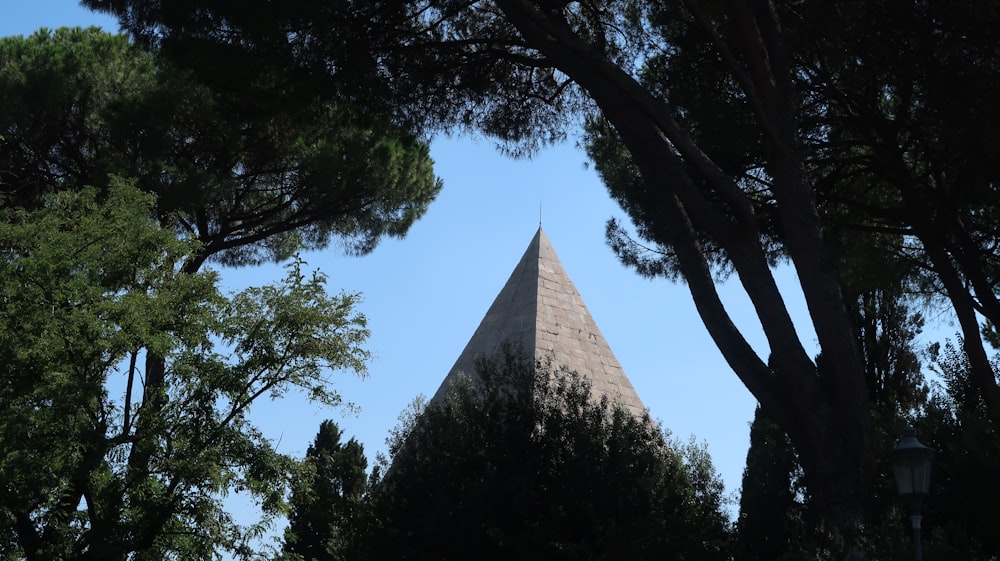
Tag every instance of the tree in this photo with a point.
(101, 463)
(254, 170)
(904, 157)
(958, 425)
(526, 465)
(327, 503)
(778, 518)
(248, 169)
(810, 120)
(770, 513)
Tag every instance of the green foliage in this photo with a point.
(427, 63)
(778, 518)
(326, 502)
(896, 163)
(252, 172)
(852, 139)
(769, 509)
(106, 458)
(527, 465)
(957, 424)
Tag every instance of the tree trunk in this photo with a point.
(825, 412)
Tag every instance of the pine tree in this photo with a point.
(768, 505)
(328, 500)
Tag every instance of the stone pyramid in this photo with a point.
(540, 309)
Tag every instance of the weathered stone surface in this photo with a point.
(540, 309)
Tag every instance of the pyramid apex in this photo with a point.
(540, 309)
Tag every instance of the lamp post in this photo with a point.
(911, 466)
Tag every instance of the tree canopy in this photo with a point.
(327, 502)
(253, 172)
(104, 458)
(523, 463)
(957, 423)
(733, 134)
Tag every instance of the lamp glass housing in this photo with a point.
(911, 465)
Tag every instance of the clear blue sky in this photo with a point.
(425, 295)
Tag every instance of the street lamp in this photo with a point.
(911, 466)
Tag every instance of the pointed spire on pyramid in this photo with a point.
(540, 309)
